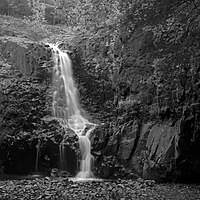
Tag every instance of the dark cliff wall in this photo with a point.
(157, 93)
(27, 129)
(151, 123)
(25, 99)
(159, 150)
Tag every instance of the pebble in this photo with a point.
(65, 189)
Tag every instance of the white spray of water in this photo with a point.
(66, 107)
(87, 158)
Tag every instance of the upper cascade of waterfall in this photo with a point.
(65, 100)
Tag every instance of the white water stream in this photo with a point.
(66, 107)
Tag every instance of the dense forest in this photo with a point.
(137, 67)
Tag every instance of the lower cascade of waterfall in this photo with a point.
(86, 157)
(62, 155)
(67, 109)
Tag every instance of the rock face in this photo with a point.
(29, 138)
(129, 140)
(188, 161)
(155, 150)
(24, 79)
(160, 150)
(114, 147)
(169, 114)
(24, 55)
(158, 145)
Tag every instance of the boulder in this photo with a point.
(156, 152)
(125, 148)
(113, 147)
(130, 133)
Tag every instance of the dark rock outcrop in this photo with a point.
(130, 133)
(25, 69)
(162, 151)
(158, 146)
(25, 76)
(24, 55)
(113, 147)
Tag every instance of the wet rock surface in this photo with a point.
(153, 150)
(63, 189)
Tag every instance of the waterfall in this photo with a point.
(86, 157)
(37, 155)
(67, 109)
(62, 155)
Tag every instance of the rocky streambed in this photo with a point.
(65, 189)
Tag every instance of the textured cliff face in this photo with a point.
(25, 77)
(24, 65)
(131, 145)
(163, 101)
(27, 129)
(154, 143)
(26, 100)
(155, 139)
(153, 150)
(24, 55)
(156, 152)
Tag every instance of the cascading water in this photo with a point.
(62, 155)
(37, 155)
(87, 158)
(66, 107)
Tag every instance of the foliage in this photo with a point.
(38, 10)
(17, 8)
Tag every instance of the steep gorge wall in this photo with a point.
(159, 146)
(158, 150)
(155, 133)
(25, 78)
(27, 129)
